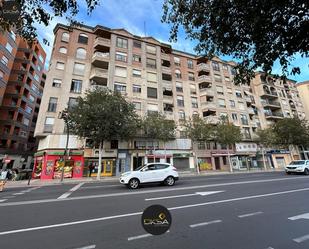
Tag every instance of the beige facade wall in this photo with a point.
(303, 89)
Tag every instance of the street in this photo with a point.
(245, 211)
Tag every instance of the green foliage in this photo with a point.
(291, 131)
(157, 127)
(198, 130)
(266, 137)
(42, 12)
(103, 115)
(227, 133)
(257, 33)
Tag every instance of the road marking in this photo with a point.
(270, 247)
(147, 191)
(102, 186)
(87, 247)
(301, 239)
(205, 223)
(177, 196)
(140, 236)
(301, 216)
(247, 215)
(2, 200)
(67, 194)
(139, 213)
(18, 193)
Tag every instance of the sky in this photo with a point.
(143, 17)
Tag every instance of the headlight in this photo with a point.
(125, 173)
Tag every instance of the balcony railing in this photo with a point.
(273, 115)
(100, 56)
(100, 41)
(208, 104)
(99, 72)
(270, 103)
(203, 66)
(204, 78)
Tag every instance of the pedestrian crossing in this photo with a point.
(7, 195)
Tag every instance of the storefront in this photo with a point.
(48, 164)
(279, 158)
(245, 157)
(183, 161)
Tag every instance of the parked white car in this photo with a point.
(150, 173)
(299, 166)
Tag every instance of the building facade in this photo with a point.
(155, 78)
(22, 80)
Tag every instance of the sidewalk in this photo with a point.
(38, 182)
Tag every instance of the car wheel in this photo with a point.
(169, 181)
(133, 183)
(306, 172)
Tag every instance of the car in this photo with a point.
(150, 173)
(298, 166)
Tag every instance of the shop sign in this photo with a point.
(278, 152)
(246, 147)
(182, 155)
(122, 155)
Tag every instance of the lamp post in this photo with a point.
(64, 115)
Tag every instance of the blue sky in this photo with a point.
(134, 15)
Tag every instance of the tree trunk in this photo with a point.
(291, 147)
(195, 160)
(229, 158)
(263, 156)
(164, 151)
(100, 160)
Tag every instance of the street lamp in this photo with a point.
(64, 115)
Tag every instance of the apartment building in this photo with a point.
(22, 80)
(156, 78)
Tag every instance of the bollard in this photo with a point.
(30, 176)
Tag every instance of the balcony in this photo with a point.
(100, 59)
(269, 94)
(251, 111)
(212, 120)
(273, 115)
(48, 128)
(165, 56)
(99, 73)
(166, 70)
(271, 104)
(209, 105)
(204, 78)
(169, 115)
(203, 67)
(101, 42)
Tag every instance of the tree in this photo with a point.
(42, 12)
(157, 127)
(103, 115)
(199, 131)
(256, 33)
(228, 134)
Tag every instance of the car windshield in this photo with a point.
(297, 162)
(139, 168)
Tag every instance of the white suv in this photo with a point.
(149, 173)
(299, 166)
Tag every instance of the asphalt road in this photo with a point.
(241, 211)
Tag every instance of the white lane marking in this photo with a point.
(270, 247)
(18, 193)
(177, 196)
(67, 194)
(247, 215)
(301, 239)
(205, 223)
(145, 192)
(2, 200)
(87, 247)
(301, 216)
(138, 213)
(140, 236)
(102, 186)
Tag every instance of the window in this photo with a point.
(137, 89)
(5, 60)
(9, 47)
(220, 90)
(121, 56)
(177, 74)
(191, 76)
(151, 108)
(121, 43)
(137, 58)
(65, 37)
(52, 105)
(26, 121)
(180, 101)
(41, 58)
(56, 83)
(177, 61)
(60, 65)
(244, 119)
(120, 87)
(221, 103)
(217, 78)
(49, 121)
(152, 77)
(232, 103)
(31, 98)
(192, 89)
(137, 73)
(12, 34)
(121, 71)
(151, 63)
(36, 77)
(1, 74)
(137, 44)
(241, 105)
(215, 66)
(182, 115)
(234, 116)
(137, 105)
(229, 90)
(246, 132)
(63, 50)
(152, 92)
(227, 79)
(79, 69)
(76, 86)
(233, 71)
(83, 39)
(238, 94)
(28, 109)
(81, 53)
(190, 64)
(225, 67)
(179, 87)
(72, 103)
(151, 49)
(194, 102)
